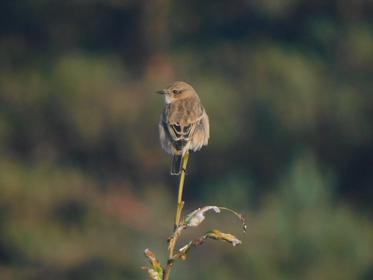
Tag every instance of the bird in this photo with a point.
(184, 124)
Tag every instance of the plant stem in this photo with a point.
(179, 209)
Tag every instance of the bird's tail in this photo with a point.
(176, 164)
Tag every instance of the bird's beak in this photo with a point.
(162, 91)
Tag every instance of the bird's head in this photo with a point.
(177, 91)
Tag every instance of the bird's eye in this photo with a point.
(175, 91)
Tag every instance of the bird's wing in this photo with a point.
(181, 123)
(201, 134)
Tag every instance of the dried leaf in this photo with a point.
(183, 251)
(213, 234)
(156, 272)
(152, 273)
(239, 215)
(218, 235)
(195, 218)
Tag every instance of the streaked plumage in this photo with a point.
(184, 124)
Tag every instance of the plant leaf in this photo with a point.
(195, 218)
(218, 235)
(156, 271)
(183, 251)
(239, 215)
(152, 273)
(212, 234)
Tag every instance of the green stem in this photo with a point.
(179, 209)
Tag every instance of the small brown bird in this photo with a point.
(184, 124)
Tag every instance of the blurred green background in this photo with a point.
(85, 186)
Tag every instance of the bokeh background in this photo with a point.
(85, 186)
